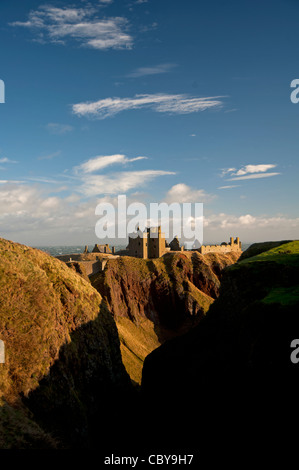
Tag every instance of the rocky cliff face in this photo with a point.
(156, 300)
(63, 383)
(232, 374)
(63, 364)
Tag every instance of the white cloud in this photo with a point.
(250, 228)
(118, 183)
(82, 179)
(227, 171)
(253, 177)
(247, 219)
(56, 25)
(254, 169)
(155, 70)
(162, 103)
(249, 172)
(59, 129)
(182, 193)
(229, 186)
(29, 214)
(100, 162)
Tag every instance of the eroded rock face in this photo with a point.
(63, 364)
(137, 288)
(158, 299)
(63, 383)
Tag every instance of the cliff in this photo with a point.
(155, 300)
(63, 364)
(231, 375)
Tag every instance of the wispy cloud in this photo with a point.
(102, 161)
(253, 177)
(154, 70)
(7, 160)
(49, 156)
(44, 180)
(90, 184)
(93, 185)
(249, 172)
(57, 25)
(162, 103)
(11, 182)
(85, 179)
(229, 186)
(59, 129)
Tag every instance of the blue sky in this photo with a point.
(159, 100)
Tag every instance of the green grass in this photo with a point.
(285, 296)
(287, 253)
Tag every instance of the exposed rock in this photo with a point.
(158, 299)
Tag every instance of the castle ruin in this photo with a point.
(148, 244)
(98, 248)
(233, 245)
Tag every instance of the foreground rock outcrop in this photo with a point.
(63, 367)
(155, 300)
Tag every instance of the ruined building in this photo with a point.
(147, 244)
(233, 245)
(175, 245)
(101, 248)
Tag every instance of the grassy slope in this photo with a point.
(283, 259)
(257, 248)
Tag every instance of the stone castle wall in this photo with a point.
(234, 245)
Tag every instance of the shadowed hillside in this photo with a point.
(63, 363)
(155, 300)
(232, 374)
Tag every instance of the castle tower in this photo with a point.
(231, 241)
(239, 244)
